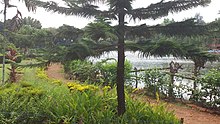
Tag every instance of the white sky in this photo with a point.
(49, 19)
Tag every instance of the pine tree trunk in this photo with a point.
(13, 77)
(196, 71)
(120, 66)
(172, 73)
(4, 45)
(170, 89)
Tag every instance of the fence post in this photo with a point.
(136, 77)
(174, 67)
(181, 120)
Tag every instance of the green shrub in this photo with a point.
(81, 70)
(156, 81)
(109, 72)
(18, 103)
(101, 72)
(75, 107)
(58, 105)
(209, 93)
(21, 90)
(25, 84)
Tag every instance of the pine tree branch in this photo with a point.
(162, 9)
(83, 10)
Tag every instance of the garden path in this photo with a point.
(55, 71)
(190, 113)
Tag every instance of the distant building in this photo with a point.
(214, 48)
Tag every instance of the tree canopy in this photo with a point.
(118, 10)
(32, 22)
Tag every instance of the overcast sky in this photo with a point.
(49, 19)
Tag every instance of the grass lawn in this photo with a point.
(6, 70)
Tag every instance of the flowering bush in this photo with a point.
(22, 90)
(74, 86)
(106, 88)
(57, 82)
(89, 104)
(40, 73)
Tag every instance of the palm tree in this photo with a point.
(118, 10)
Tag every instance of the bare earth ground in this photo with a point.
(55, 71)
(191, 115)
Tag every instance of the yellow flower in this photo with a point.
(40, 73)
(136, 89)
(92, 87)
(71, 88)
(81, 89)
(59, 82)
(105, 88)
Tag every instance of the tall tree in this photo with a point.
(100, 30)
(29, 37)
(118, 10)
(167, 21)
(1, 26)
(15, 23)
(31, 22)
(199, 19)
(66, 34)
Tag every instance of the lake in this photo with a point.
(141, 62)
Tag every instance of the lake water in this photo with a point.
(141, 62)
